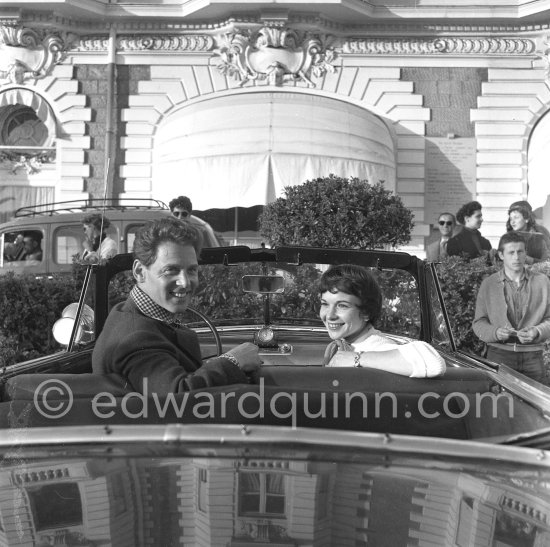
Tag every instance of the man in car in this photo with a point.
(143, 340)
(33, 249)
(181, 208)
(513, 311)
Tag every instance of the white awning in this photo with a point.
(242, 150)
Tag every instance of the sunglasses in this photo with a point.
(445, 222)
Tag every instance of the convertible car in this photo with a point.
(302, 454)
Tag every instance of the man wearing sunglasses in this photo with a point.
(181, 208)
(438, 249)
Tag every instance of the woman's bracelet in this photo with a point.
(231, 358)
(357, 359)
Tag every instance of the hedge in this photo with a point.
(460, 280)
(30, 306)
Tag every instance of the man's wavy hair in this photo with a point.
(169, 229)
(467, 210)
(357, 281)
(181, 201)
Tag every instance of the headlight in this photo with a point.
(63, 327)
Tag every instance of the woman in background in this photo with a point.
(469, 242)
(522, 221)
(97, 244)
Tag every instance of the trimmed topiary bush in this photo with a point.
(337, 212)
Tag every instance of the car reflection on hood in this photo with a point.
(269, 495)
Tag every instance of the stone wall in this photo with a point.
(450, 93)
(93, 84)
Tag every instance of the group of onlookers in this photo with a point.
(512, 315)
(465, 239)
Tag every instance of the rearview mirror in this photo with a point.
(63, 327)
(264, 284)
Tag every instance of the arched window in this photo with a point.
(20, 127)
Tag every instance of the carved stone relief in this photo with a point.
(190, 42)
(545, 55)
(26, 53)
(276, 55)
(443, 45)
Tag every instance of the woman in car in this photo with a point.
(97, 244)
(351, 304)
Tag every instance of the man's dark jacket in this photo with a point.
(137, 347)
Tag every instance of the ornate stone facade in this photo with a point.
(164, 62)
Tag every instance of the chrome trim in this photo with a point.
(279, 328)
(234, 436)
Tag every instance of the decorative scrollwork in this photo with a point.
(545, 56)
(189, 42)
(278, 55)
(27, 53)
(31, 162)
(442, 45)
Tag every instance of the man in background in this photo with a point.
(513, 311)
(181, 208)
(33, 249)
(446, 225)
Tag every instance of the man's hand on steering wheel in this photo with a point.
(247, 356)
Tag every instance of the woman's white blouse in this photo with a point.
(425, 360)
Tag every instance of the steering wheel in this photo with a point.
(211, 326)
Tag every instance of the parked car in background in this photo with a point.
(302, 454)
(57, 227)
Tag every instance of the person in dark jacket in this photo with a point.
(438, 249)
(522, 221)
(538, 227)
(469, 242)
(143, 340)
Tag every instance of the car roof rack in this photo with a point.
(77, 206)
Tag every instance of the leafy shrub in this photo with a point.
(337, 212)
(30, 306)
(220, 294)
(460, 281)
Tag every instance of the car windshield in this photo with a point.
(225, 299)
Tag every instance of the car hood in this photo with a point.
(237, 486)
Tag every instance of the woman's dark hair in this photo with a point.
(181, 201)
(96, 220)
(525, 213)
(357, 281)
(467, 210)
(149, 238)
